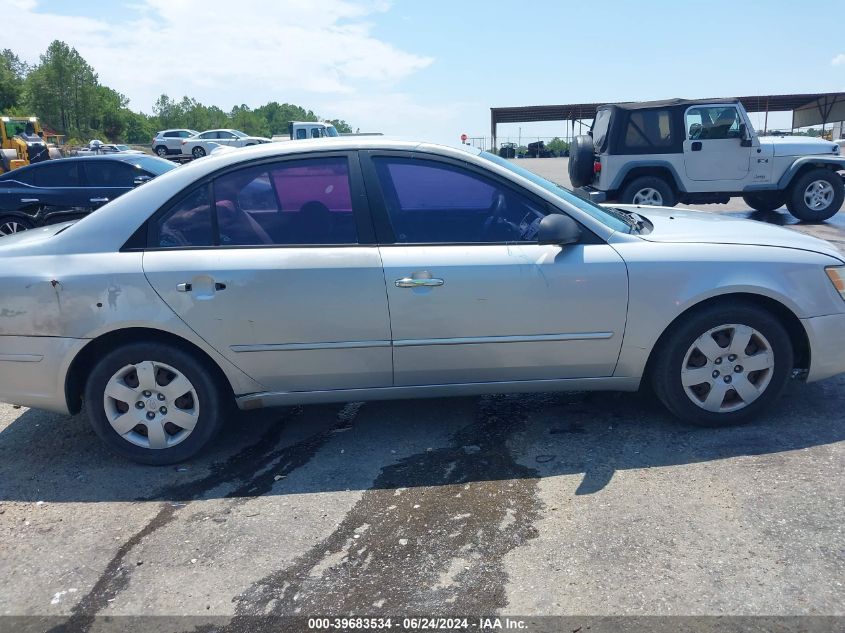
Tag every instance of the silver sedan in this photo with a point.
(358, 269)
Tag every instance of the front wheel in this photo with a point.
(816, 196)
(161, 150)
(649, 191)
(198, 152)
(722, 365)
(153, 403)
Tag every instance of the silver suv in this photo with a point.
(705, 151)
(169, 142)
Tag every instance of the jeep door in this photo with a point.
(714, 147)
(280, 274)
(473, 297)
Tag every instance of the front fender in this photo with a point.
(838, 162)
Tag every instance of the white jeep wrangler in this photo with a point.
(704, 151)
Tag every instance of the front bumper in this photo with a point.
(32, 370)
(827, 346)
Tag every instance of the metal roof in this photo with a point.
(575, 111)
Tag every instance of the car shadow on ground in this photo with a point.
(443, 442)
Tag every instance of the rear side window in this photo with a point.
(286, 203)
(59, 173)
(600, 127)
(187, 223)
(106, 173)
(648, 129)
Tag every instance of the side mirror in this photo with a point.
(559, 229)
(140, 180)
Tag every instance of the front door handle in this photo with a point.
(411, 282)
(30, 200)
(96, 200)
(183, 287)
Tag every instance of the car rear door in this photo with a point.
(58, 192)
(473, 297)
(289, 287)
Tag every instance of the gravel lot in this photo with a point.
(563, 504)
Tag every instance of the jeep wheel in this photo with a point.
(765, 200)
(649, 191)
(581, 161)
(816, 196)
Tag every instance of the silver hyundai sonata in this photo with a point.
(354, 269)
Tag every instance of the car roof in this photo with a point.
(123, 158)
(668, 103)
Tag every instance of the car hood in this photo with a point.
(700, 227)
(798, 145)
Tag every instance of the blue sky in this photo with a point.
(432, 69)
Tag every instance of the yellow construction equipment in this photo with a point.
(22, 142)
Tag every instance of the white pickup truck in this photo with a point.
(301, 130)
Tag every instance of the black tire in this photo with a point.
(213, 401)
(671, 353)
(656, 183)
(161, 151)
(581, 161)
(10, 224)
(798, 206)
(765, 201)
(198, 152)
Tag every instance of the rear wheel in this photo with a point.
(816, 196)
(10, 225)
(765, 200)
(722, 365)
(153, 403)
(649, 191)
(198, 152)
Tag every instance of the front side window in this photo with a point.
(106, 173)
(59, 173)
(187, 223)
(432, 202)
(298, 202)
(713, 123)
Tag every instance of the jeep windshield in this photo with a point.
(612, 218)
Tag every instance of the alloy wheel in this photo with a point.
(727, 368)
(818, 195)
(11, 227)
(648, 196)
(151, 405)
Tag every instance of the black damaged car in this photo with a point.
(65, 189)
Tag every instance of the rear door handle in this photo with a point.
(410, 282)
(95, 200)
(30, 200)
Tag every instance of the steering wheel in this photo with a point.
(497, 215)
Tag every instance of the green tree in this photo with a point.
(12, 74)
(342, 126)
(558, 146)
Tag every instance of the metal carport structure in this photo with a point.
(807, 109)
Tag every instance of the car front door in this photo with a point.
(289, 287)
(714, 147)
(473, 297)
(106, 180)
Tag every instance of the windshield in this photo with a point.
(331, 131)
(590, 208)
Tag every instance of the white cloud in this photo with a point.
(227, 53)
(839, 60)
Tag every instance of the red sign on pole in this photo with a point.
(464, 138)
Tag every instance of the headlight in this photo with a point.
(837, 277)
